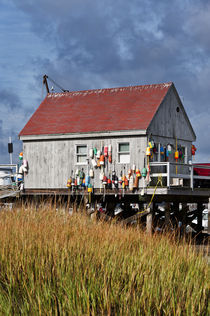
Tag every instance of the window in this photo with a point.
(124, 153)
(81, 153)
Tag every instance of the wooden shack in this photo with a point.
(70, 131)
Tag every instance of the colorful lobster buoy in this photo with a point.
(69, 181)
(91, 173)
(120, 180)
(176, 155)
(110, 153)
(95, 151)
(129, 173)
(102, 159)
(144, 172)
(78, 181)
(21, 155)
(126, 182)
(136, 182)
(162, 150)
(94, 163)
(151, 144)
(109, 183)
(131, 183)
(138, 174)
(169, 148)
(105, 180)
(90, 188)
(91, 153)
(148, 151)
(193, 150)
(106, 151)
(87, 180)
(98, 154)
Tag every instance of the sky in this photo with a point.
(88, 44)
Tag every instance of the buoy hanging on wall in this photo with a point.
(162, 150)
(106, 151)
(144, 172)
(110, 153)
(91, 173)
(102, 160)
(94, 163)
(90, 188)
(138, 174)
(98, 154)
(193, 150)
(69, 181)
(148, 151)
(169, 148)
(176, 154)
(91, 153)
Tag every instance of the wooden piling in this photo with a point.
(149, 221)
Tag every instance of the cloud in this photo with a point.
(96, 44)
(12, 114)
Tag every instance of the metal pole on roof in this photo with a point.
(10, 149)
(45, 83)
(45, 77)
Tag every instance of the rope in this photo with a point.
(161, 183)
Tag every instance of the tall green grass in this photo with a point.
(52, 263)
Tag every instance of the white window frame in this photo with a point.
(123, 152)
(79, 154)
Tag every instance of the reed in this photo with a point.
(56, 264)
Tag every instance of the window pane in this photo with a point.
(123, 147)
(82, 159)
(124, 158)
(82, 149)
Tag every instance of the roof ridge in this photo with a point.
(116, 89)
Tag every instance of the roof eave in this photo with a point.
(84, 135)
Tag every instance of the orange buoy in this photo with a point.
(138, 174)
(102, 158)
(136, 182)
(148, 151)
(176, 154)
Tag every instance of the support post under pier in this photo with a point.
(149, 221)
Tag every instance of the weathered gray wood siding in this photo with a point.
(52, 161)
(171, 121)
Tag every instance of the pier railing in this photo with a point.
(173, 170)
(12, 170)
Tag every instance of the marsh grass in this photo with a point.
(55, 264)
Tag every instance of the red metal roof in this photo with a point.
(101, 110)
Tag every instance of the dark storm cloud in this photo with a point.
(9, 100)
(96, 44)
(10, 110)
